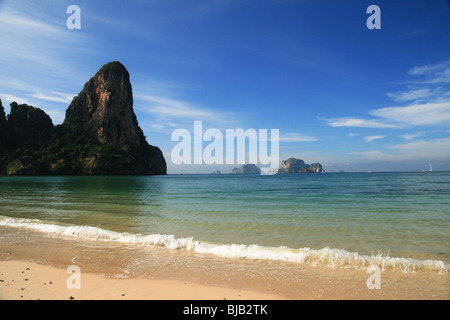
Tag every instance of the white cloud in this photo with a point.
(429, 68)
(417, 150)
(422, 95)
(170, 108)
(36, 92)
(416, 115)
(37, 49)
(55, 97)
(295, 137)
(169, 114)
(411, 136)
(356, 122)
(28, 40)
(428, 104)
(55, 114)
(410, 95)
(398, 117)
(18, 23)
(434, 73)
(351, 134)
(9, 98)
(371, 138)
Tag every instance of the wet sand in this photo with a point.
(29, 261)
(31, 281)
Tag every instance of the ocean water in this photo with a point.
(400, 221)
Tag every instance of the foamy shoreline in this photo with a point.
(28, 272)
(157, 272)
(332, 257)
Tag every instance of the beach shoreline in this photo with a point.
(110, 271)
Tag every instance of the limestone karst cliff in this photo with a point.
(247, 169)
(100, 134)
(293, 165)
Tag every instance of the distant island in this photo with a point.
(293, 165)
(247, 169)
(99, 136)
(290, 165)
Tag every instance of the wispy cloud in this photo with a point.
(55, 113)
(429, 150)
(371, 138)
(430, 69)
(295, 137)
(35, 42)
(432, 73)
(55, 97)
(358, 122)
(175, 109)
(352, 134)
(9, 98)
(421, 95)
(39, 55)
(399, 117)
(416, 115)
(52, 102)
(428, 102)
(410, 95)
(172, 113)
(412, 136)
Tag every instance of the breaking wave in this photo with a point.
(335, 258)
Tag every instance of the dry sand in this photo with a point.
(30, 281)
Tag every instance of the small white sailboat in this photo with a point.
(431, 167)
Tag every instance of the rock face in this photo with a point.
(2, 129)
(24, 166)
(105, 108)
(2, 116)
(28, 127)
(293, 165)
(316, 167)
(100, 134)
(247, 169)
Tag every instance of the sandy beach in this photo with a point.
(34, 266)
(31, 281)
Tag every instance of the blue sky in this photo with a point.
(348, 97)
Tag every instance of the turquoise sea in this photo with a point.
(398, 220)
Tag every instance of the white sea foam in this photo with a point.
(335, 258)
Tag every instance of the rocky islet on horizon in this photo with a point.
(247, 169)
(293, 165)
